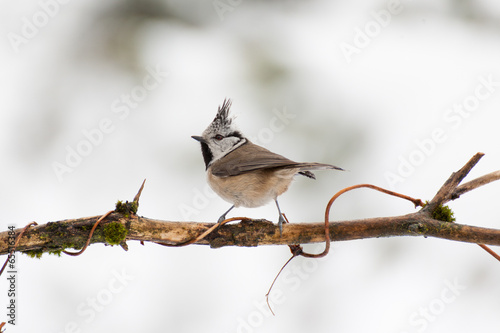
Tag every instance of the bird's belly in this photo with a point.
(253, 189)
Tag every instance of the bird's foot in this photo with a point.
(220, 220)
(281, 220)
(223, 217)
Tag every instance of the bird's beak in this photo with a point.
(199, 138)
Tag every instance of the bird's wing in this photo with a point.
(251, 157)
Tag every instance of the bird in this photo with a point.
(243, 173)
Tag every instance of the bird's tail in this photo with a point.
(304, 168)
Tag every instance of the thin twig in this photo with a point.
(451, 191)
(444, 194)
(416, 202)
(473, 184)
(297, 249)
(490, 251)
(275, 278)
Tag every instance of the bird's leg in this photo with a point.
(223, 216)
(281, 219)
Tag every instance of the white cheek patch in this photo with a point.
(221, 150)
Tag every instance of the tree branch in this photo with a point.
(125, 225)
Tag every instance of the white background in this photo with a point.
(371, 112)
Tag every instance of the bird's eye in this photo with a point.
(219, 137)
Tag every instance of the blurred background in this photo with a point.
(97, 96)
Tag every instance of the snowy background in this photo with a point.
(400, 93)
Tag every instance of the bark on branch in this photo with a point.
(121, 227)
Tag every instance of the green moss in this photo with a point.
(443, 213)
(56, 252)
(115, 233)
(34, 253)
(126, 207)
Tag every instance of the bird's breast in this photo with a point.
(252, 189)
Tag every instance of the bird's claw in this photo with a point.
(220, 220)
